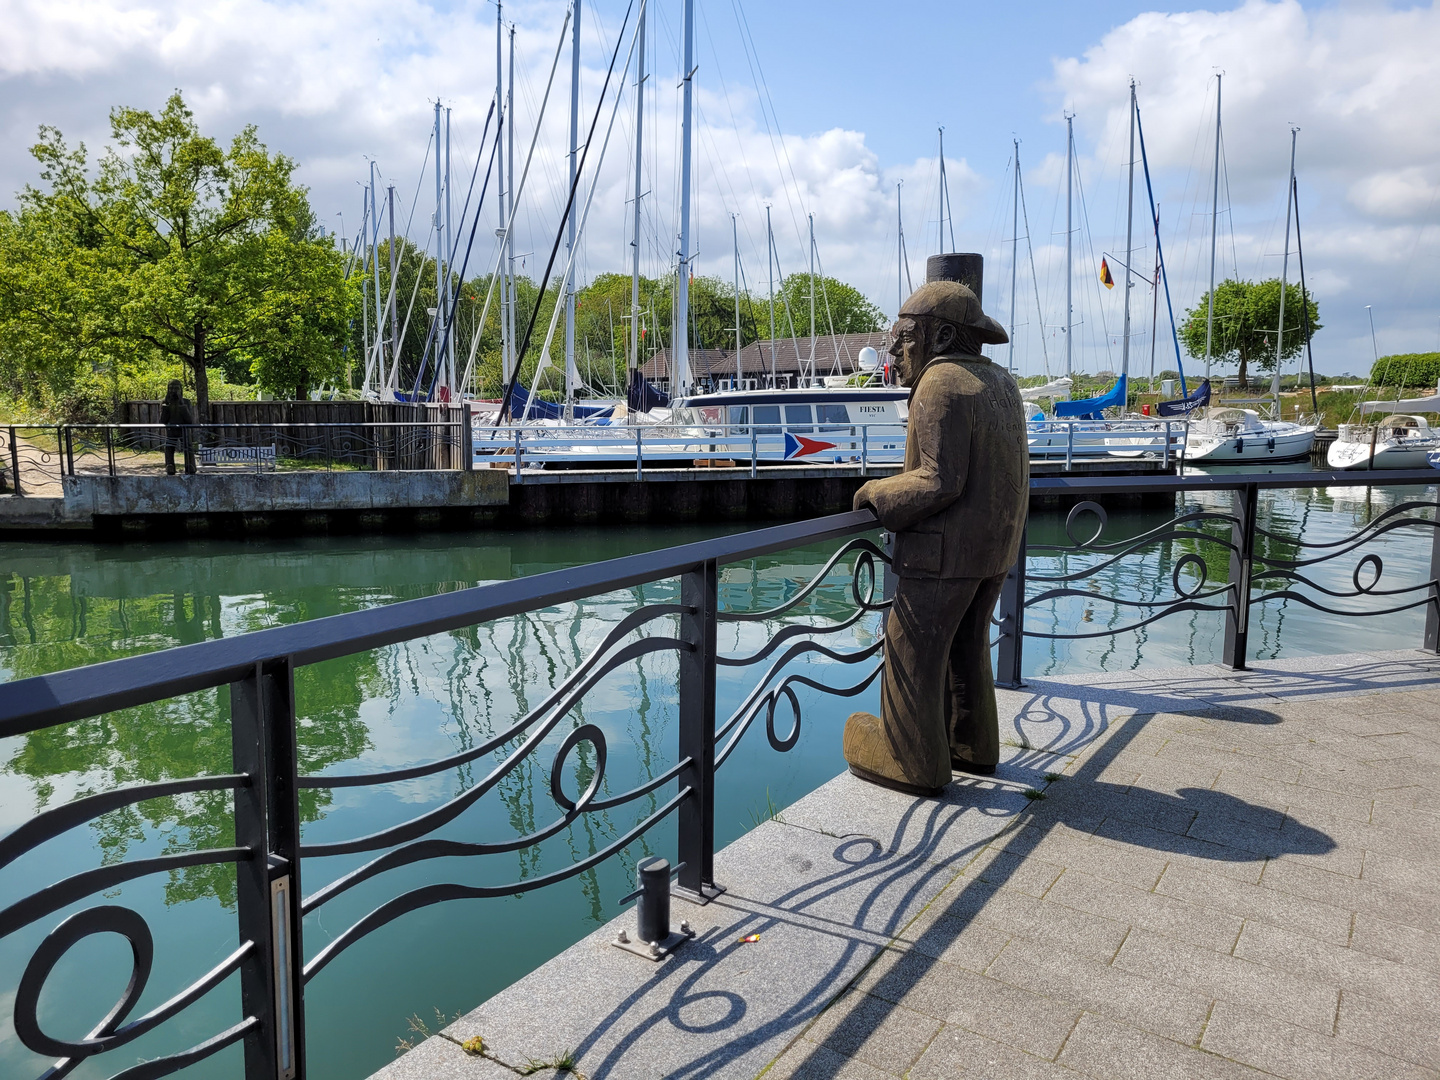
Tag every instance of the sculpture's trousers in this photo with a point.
(938, 693)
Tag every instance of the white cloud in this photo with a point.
(1357, 79)
(332, 84)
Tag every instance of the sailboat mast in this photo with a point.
(1304, 296)
(394, 300)
(449, 359)
(1284, 274)
(375, 267)
(634, 362)
(682, 294)
(735, 239)
(439, 325)
(571, 374)
(1129, 241)
(899, 251)
(770, 269)
(1014, 253)
(1214, 228)
(811, 218)
(503, 186)
(510, 209)
(364, 241)
(1069, 237)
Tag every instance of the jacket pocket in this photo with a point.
(919, 554)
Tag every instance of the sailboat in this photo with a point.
(1235, 436)
(1404, 441)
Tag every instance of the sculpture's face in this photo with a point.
(915, 341)
(909, 347)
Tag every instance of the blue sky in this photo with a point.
(856, 92)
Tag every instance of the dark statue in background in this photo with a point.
(178, 417)
(957, 511)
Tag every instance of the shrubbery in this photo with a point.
(1407, 369)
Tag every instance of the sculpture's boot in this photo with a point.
(870, 757)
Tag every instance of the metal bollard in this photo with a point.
(652, 913)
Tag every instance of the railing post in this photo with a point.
(467, 441)
(1012, 623)
(519, 465)
(1243, 502)
(1167, 445)
(267, 821)
(69, 450)
(1432, 613)
(1069, 445)
(754, 452)
(698, 594)
(639, 457)
(864, 449)
(15, 461)
(110, 449)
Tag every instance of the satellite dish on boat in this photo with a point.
(869, 359)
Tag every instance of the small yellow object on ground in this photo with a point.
(748, 940)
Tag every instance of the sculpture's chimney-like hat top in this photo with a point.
(952, 292)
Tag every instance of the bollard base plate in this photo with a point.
(653, 950)
(708, 892)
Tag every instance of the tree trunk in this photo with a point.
(1244, 361)
(202, 378)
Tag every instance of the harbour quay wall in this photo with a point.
(231, 504)
(321, 502)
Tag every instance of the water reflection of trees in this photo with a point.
(473, 680)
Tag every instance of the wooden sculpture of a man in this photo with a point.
(957, 511)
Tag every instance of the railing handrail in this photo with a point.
(76, 693)
(251, 424)
(1233, 481)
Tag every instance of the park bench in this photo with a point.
(240, 458)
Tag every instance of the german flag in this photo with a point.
(1105, 278)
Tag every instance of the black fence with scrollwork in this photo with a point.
(266, 782)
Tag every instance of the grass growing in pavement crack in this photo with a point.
(1051, 777)
(564, 1063)
(1034, 794)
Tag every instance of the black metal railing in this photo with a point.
(150, 449)
(268, 853)
(271, 860)
(1223, 538)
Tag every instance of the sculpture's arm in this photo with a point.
(941, 430)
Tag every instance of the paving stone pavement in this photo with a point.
(1182, 874)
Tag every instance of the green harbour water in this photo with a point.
(65, 604)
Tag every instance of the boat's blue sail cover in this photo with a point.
(1196, 399)
(1090, 408)
(644, 396)
(540, 409)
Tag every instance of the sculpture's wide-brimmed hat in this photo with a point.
(953, 302)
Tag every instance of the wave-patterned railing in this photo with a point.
(1261, 566)
(266, 781)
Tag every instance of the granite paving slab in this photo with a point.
(1183, 873)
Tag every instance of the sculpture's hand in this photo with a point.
(862, 497)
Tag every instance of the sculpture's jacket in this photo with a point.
(959, 506)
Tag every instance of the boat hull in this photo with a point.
(1347, 456)
(1250, 448)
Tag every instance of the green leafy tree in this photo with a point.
(178, 248)
(839, 308)
(1247, 315)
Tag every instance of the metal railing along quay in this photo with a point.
(273, 861)
(38, 454)
(753, 447)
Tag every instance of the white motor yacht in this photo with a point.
(1235, 436)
